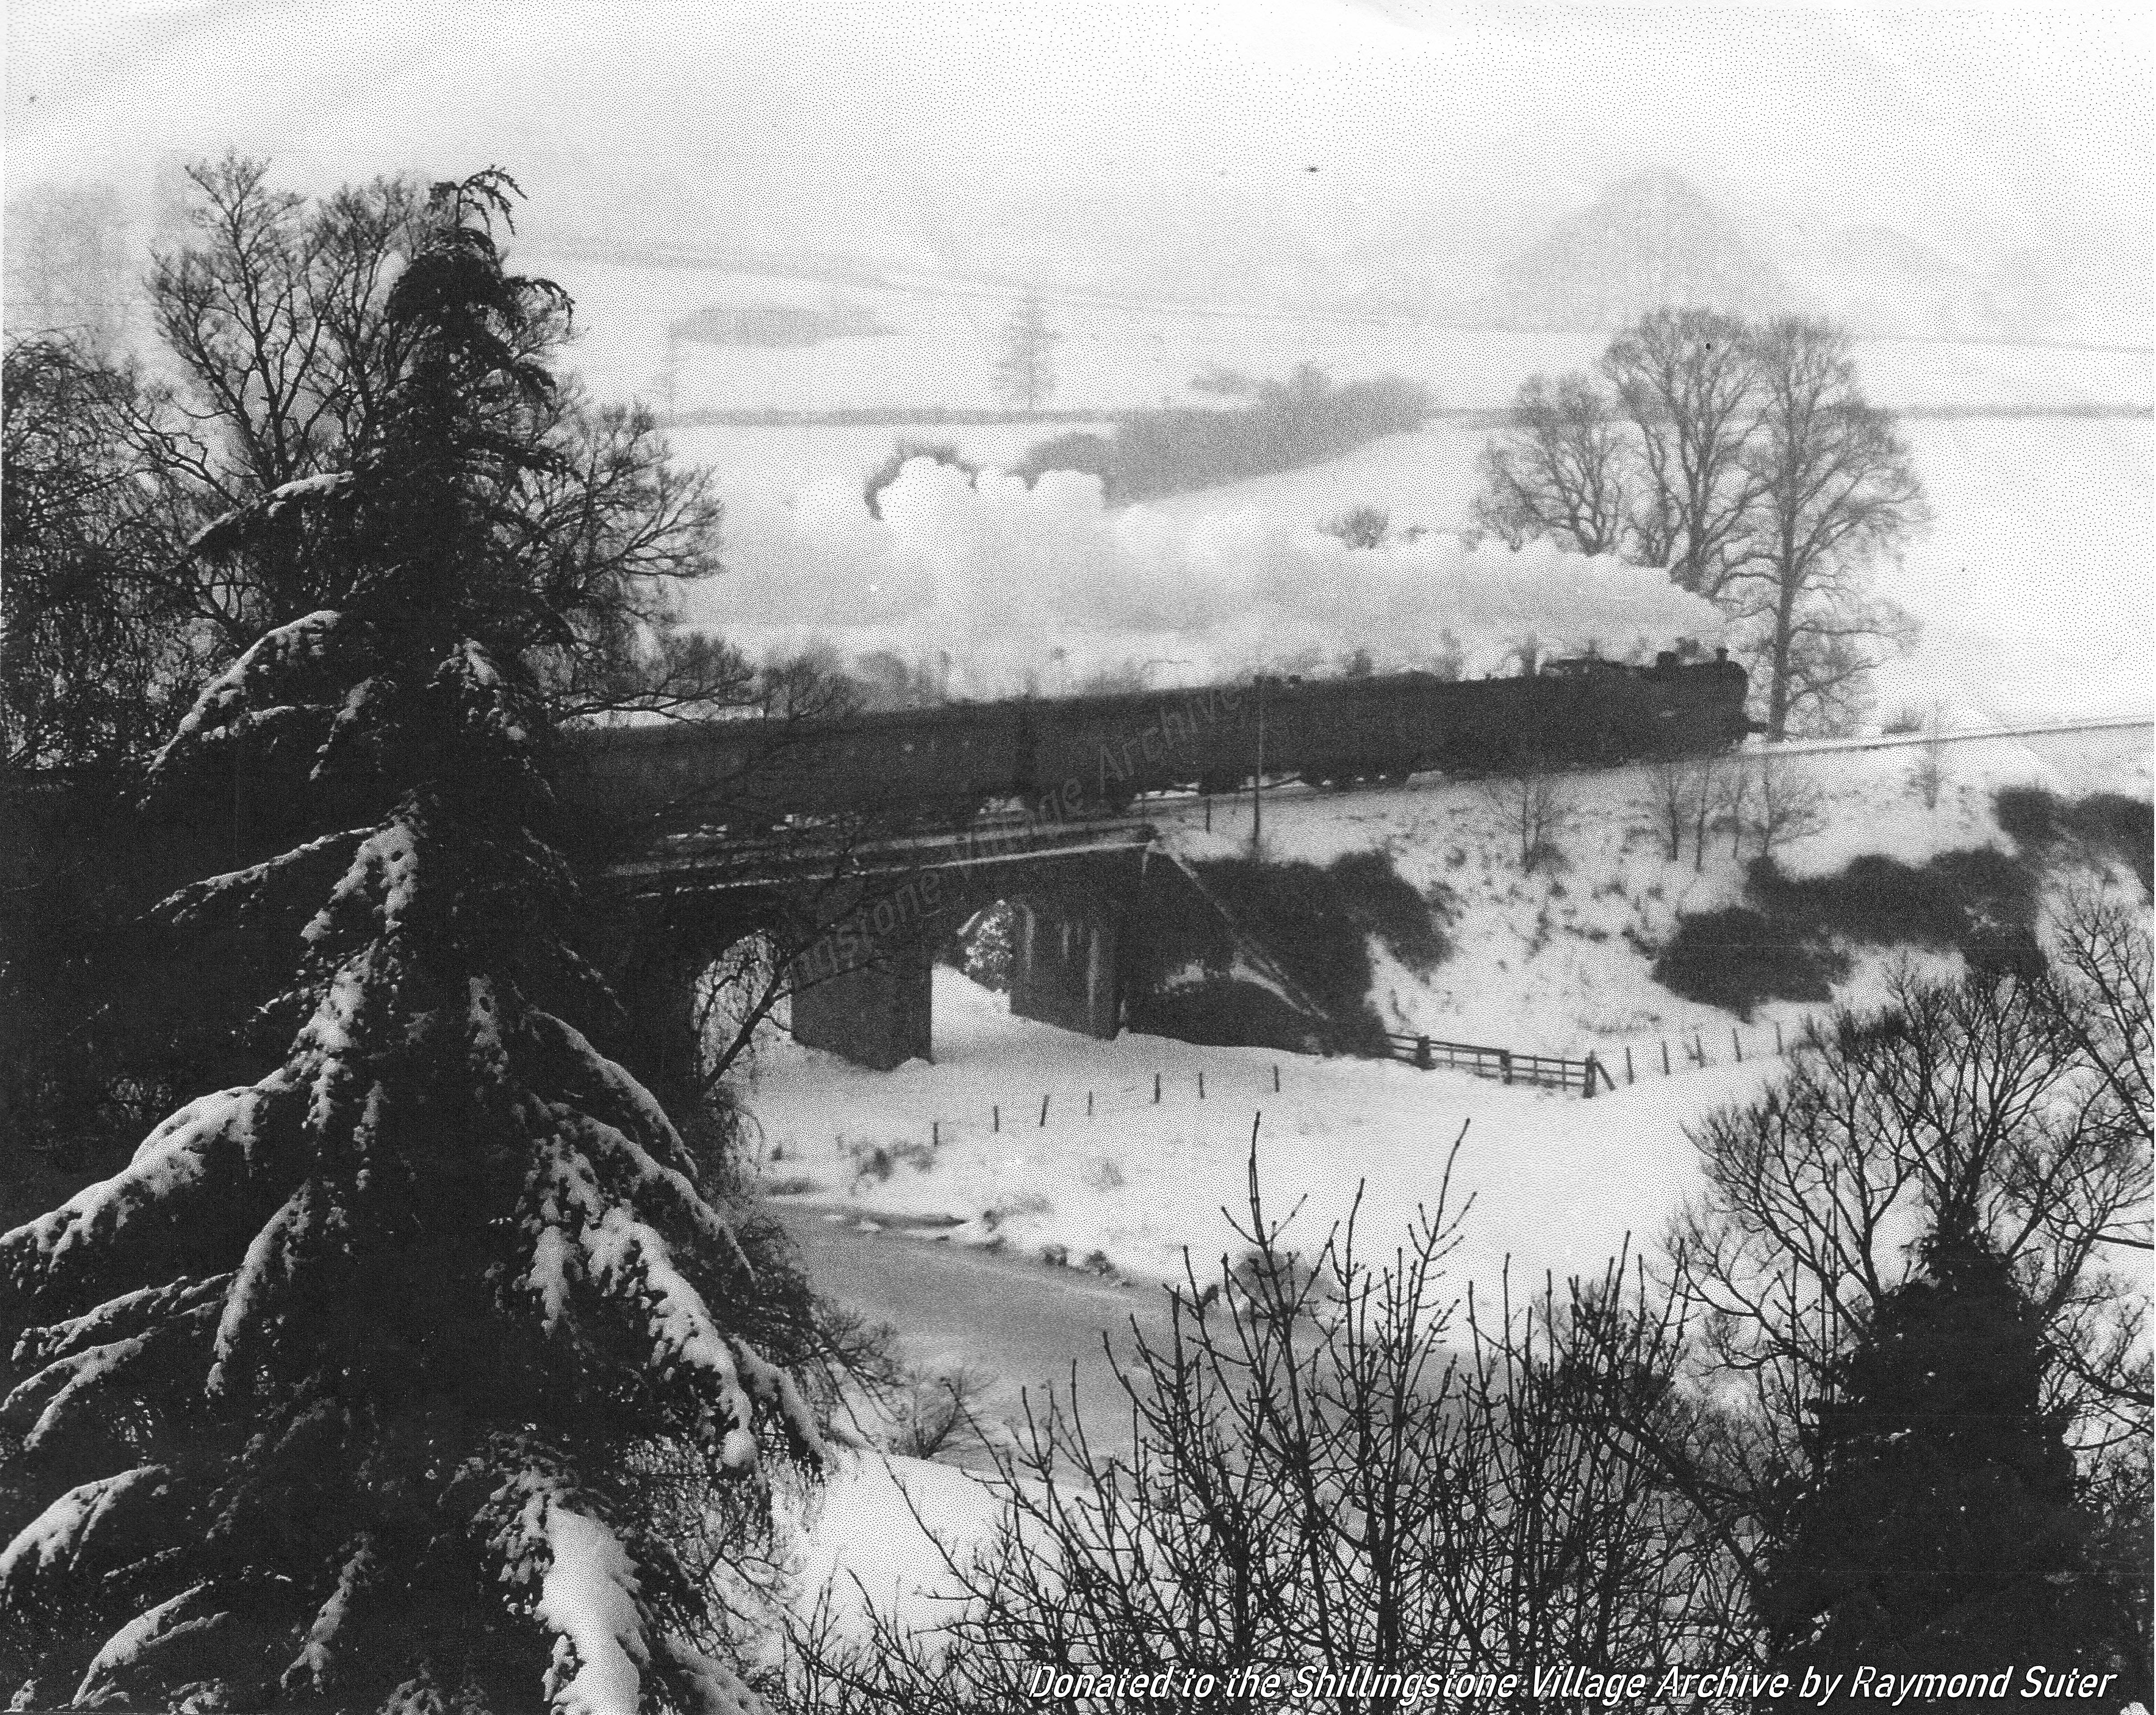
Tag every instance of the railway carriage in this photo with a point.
(1070, 756)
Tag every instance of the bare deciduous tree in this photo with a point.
(1927, 773)
(275, 309)
(1526, 806)
(1787, 801)
(1837, 492)
(1684, 794)
(1669, 801)
(1973, 1100)
(1687, 381)
(2098, 986)
(1558, 470)
(1731, 806)
(92, 655)
(1746, 459)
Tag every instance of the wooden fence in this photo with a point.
(1589, 1076)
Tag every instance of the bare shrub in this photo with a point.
(1668, 803)
(2014, 1106)
(1928, 771)
(1787, 801)
(1364, 527)
(935, 1412)
(1331, 1468)
(1525, 809)
(1683, 794)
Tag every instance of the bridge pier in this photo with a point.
(1065, 971)
(876, 1013)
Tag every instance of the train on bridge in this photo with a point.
(1086, 755)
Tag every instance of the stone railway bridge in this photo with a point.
(1111, 931)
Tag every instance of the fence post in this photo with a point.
(1276, 1077)
(1155, 1089)
(935, 1134)
(1665, 1056)
(1201, 1087)
(1736, 1047)
(1505, 1064)
(1422, 1052)
(1777, 1035)
(1044, 1107)
(996, 1117)
(1088, 1104)
(1627, 1062)
(1592, 1070)
(1699, 1048)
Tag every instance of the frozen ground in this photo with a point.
(1558, 1184)
(1548, 963)
(1559, 1181)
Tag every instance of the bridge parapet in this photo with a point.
(1110, 930)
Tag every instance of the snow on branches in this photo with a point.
(332, 1393)
(434, 1150)
(596, 1267)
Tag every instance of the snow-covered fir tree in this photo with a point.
(332, 1398)
(1938, 1529)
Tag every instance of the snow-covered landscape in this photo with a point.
(1552, 963)
(601, 1106)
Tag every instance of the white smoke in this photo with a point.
(1042, 588)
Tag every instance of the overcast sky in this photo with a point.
(873, 127)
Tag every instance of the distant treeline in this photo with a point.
(1282, 425)
(1053, 455)
(876, 417)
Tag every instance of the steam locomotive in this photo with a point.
(1085, 755)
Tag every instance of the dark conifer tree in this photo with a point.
(1938, 1529)
(332, 1398)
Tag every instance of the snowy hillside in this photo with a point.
(1557, 962)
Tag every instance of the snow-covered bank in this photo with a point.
(1558, 962)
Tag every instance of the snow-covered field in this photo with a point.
(1115, 355)
(1540, 963)
(1557, 1181)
